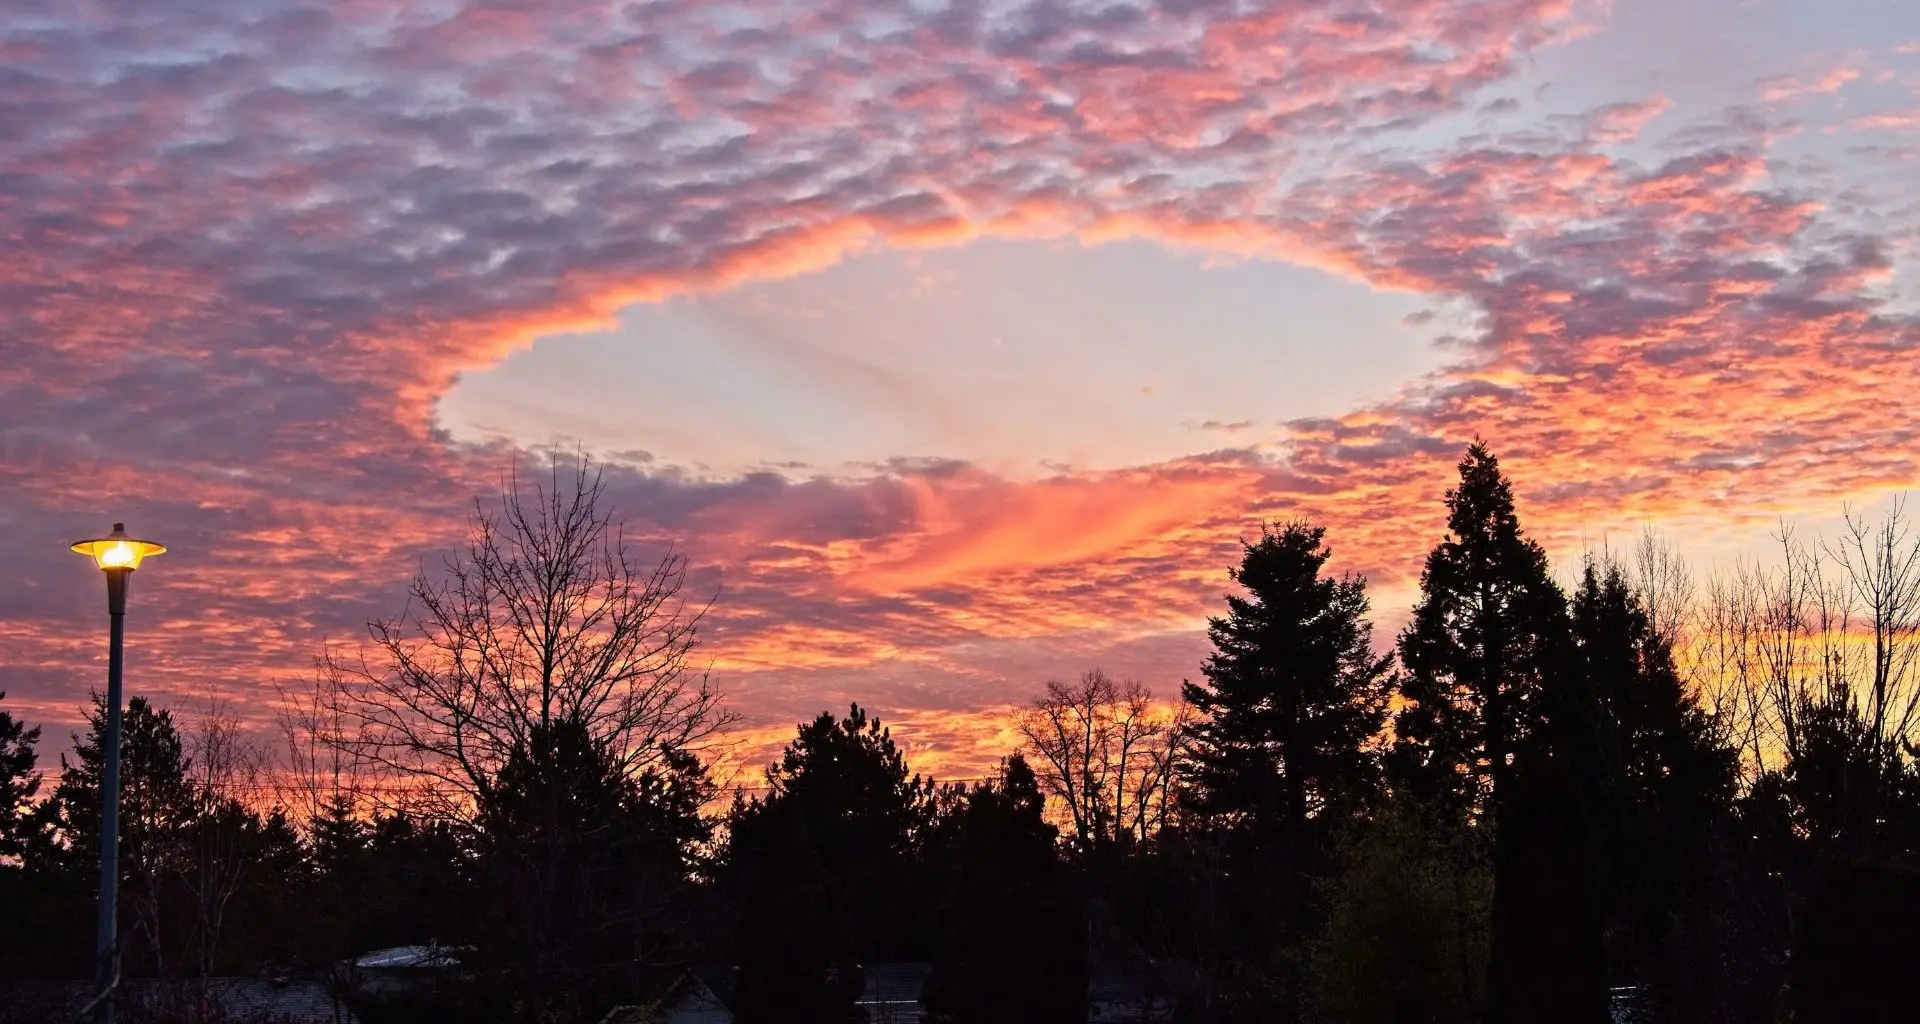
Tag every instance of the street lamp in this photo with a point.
(117, 555)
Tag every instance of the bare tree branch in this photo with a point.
(1105, 753)
(547, 618)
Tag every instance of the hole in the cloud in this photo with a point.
(1016, 355)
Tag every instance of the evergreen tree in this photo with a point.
(1294, 696)
(34, 907)
(412, 883)
(233, 897)
(390, 879)
(1487, 637)
(794, 944)
(1498, 726)
(156, 798)
(1547, 964)
(337, 837)
(157, 806)
(1668, 746)
(669, 802)
(1281, 754)
(20, 826)
(863, 812)
(1012, 948)
(272, 914)
(337, 849)
(1818, 797)
(1671, 778)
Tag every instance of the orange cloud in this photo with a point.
(240, 300)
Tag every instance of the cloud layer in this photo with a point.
(247, 244)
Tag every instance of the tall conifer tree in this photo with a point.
(1669, 780)
(19, 784)
(1283, 748)
(1489, 633)
(156, 797)
(157, 807)
(24, 846)
(1294, 697)
(1497, 719)
(1668, 749)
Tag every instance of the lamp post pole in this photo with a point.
(117, 555)
(106, 951)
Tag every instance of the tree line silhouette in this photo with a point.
(1635, 798)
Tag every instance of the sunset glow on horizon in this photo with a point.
(957, 345)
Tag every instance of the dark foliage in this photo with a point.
(1546, 964)
(1668, 749)
(794, 944)
(1012, 945)
(1408, 920)
(21, 828)
(25, 839)
(1661, 789)
(1848, 795)
(863, 812)
(1854, 958)
(393, 880)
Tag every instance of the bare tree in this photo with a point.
(1105, 753)
(1772, 642)
(1882, 565)
(322, 770)
(548, 619)
(1725, 658)
(227, 767)
(1665, 584)
(1812, 660)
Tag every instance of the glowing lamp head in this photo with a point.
(117, 550)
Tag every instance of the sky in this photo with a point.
(957, 344)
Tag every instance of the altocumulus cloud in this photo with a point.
(248, 244)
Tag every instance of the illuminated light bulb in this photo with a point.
(117, 550)
(119, 554)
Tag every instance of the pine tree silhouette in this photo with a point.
(1012, 947)
(1482, 647)
(1293, 698)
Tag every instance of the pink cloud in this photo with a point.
(1623, 122)
(1789, 88)
(235, 284)
(1889, 121)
